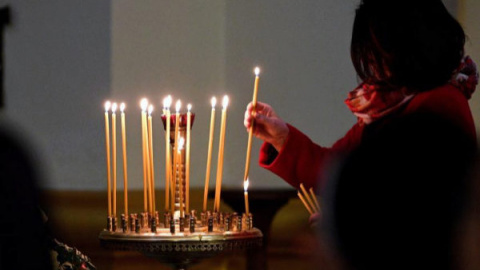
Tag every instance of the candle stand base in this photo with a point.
(182, 249)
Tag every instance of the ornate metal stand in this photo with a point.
(182, 249)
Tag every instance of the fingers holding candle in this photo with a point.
(268, 126)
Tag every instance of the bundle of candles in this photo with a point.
(178, 213)
(309, 200)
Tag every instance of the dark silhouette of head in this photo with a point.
(416, 44)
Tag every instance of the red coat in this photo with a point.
(303, 161)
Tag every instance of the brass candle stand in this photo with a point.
(181, 236)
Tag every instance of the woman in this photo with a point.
(409, 56)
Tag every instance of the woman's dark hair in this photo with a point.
(416, 44)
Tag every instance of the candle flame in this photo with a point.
(122, 107)
(167, 102)
(107, 106)
(214, 102)
(144, 104)
(181, 143)
(189, 107)
(225, 102)
(245, 185)
(114, 107)
(178, 105)
(257, 71)
(150, 109)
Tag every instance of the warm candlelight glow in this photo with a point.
(225, 102)
(245, 189)
(122, 107)
(107, 106)
(214, 102)
(144, 104)
(114, 107)
(181, 144)
(257, 71)
(150, 110)
(178, 105)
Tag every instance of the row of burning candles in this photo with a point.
(170, 171)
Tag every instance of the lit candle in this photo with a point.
(187, 160)
(168, 175)
(114, 157)
(218, 188)
(175, 157)
(124, 146)
(209, 155)
(245, 192)
(181, 143)
(107, 148)
(143, 106)
(250, 133)
(150, 151)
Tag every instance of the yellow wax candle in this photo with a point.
(107, 148)
(218, 189)
(314, 199)
(143, 105)
(245, 192)
(209, 155)
(124, 147)
(168, 175)
(307, 196)
(305, 203)
(175, 157)
(250, 133)
(150, 151)
(114, 157)
(181, 144)
(187, 160)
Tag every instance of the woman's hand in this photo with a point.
(267, 125)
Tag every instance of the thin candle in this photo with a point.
(187, 160)
(314, 199)
(245, 192)
(124, 147)
(143, 106)
(150, 145)
(114, 157)
(181, 144)
(168, 175)
(307, 196)
(107, 148)
(209, 155)
(218, 189)
(178, 105)
(304, 203)
(250, 133)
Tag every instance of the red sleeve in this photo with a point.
(302, 161)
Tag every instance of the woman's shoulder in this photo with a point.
(445, 101)
(446, 98)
